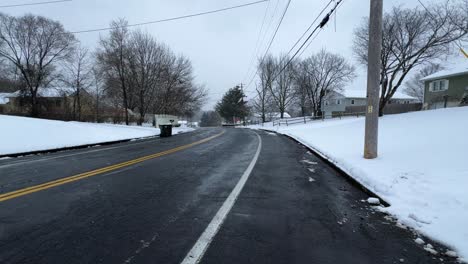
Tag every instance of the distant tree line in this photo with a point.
(130, 70)
(210, 119)
(301, 83)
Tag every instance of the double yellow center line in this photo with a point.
(55, 183)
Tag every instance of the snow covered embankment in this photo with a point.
(422, 168)
(21, 134)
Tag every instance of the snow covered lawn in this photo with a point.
(422, 168)
(21, 134)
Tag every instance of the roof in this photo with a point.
(4, 97)
(363, 94)
(457, 70)
(50, 92)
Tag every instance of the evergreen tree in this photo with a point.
(233, 107)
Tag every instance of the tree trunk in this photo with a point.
(382, 105)
(78, 102)
(125, 103)
(34, 106)
(97, 108)
(141, 119)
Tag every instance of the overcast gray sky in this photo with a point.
(220, 45)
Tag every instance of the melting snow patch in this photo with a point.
(451, 253)
(419, 241)
(400, 225)
(373, 201)
(429, 248)
(309, 162)
(311, 170)
(311, 179)
(343, 221)
(271, 134)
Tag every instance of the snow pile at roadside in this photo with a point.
(22, 134)
(422, 168)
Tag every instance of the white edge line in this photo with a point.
(202, 244)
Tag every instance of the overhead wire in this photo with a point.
(258, 40)
(35, 3)
(172, 18)
(433, 17)
(263, 36)
(318, 27)
(271, 41)
(321, 25)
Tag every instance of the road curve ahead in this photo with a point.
(211, 196)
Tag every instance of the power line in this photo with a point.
(172, 18)
(433, 17)
(263, 36)
(36, 3)
(302, 36)
(321, 25)
(258, 40)
(312, 40)
(311, 24)
(271, 21)
(271, 41)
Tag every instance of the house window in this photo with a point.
(338, 102)
(439, 85)
(352, 101)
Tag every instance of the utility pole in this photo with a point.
(373, 79)
(242, 89)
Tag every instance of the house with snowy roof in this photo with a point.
(355, 101)
(54, 102)
(446, 88)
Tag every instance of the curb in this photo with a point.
(348, 177)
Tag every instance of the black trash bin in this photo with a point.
(166, 130)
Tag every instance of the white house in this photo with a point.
(342, 102)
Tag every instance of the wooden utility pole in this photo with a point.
(373, 79)
(242, 89)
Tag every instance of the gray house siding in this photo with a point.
(455, 95)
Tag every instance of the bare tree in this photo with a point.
(282, 86)
(98, 90)
(78, 75)
(414, 86)
(146, 69)
(149, 76)
(322, 74)
(114, 56)
(266, 71)
(412, 37)
(304, 87)
(33, 45)
(179, 94)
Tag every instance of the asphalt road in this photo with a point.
(152, 201)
